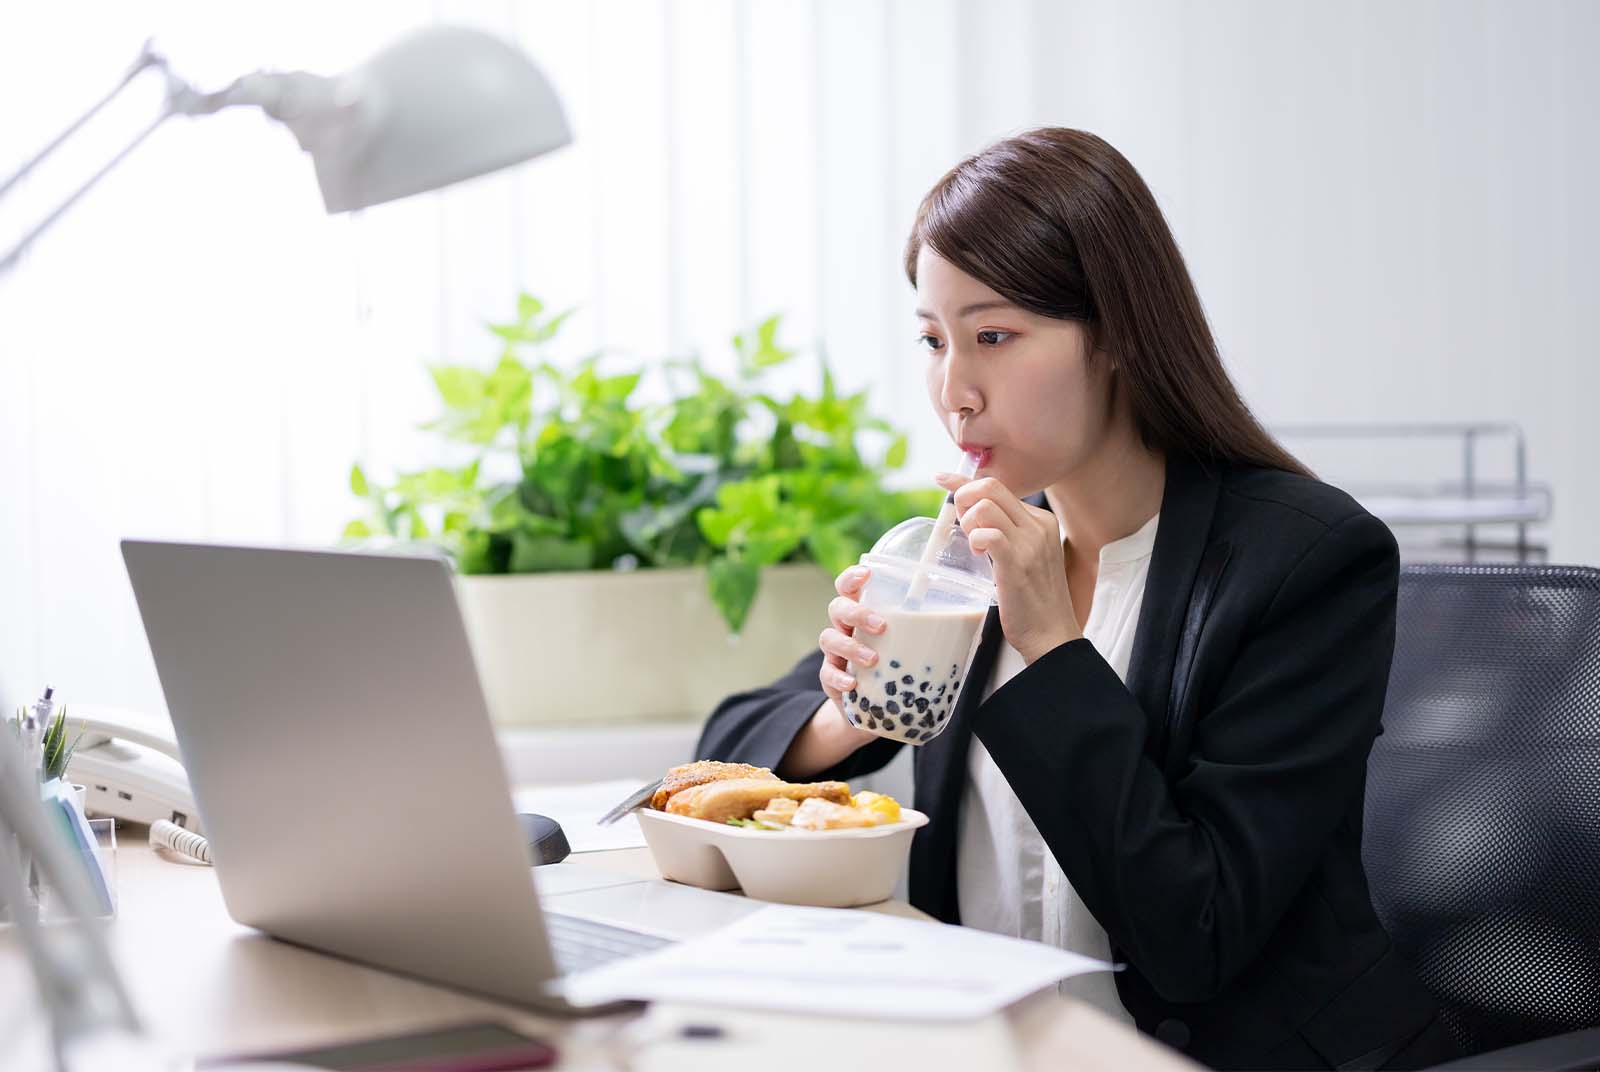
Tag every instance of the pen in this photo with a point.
(35, 722)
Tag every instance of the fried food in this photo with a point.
(777, 812)
(739, 798)
(700, 772)
(818, 814)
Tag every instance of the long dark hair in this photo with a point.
(1059, 223)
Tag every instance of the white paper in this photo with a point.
(838, 962)
(578, 807)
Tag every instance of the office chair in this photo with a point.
(1482, 832)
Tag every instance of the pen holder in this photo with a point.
(99, 863)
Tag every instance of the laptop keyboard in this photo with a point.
(581, 944)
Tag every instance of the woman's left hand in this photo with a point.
(1030, 574)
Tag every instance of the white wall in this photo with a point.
(1387, 207)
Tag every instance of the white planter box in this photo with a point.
(645, 646)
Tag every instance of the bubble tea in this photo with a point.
(933, 592)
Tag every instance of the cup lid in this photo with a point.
(957, 570)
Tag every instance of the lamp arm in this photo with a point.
(14, 255)
(147, 58)
(176, 90)
(306, 103)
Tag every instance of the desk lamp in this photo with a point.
(440, 105)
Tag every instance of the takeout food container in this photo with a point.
(824, 868)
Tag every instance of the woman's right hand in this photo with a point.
(829, 737)
(846, 615)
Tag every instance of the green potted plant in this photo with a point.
(612, 549)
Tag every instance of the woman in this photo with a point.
(1186, 667)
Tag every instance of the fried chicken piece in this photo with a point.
(778, 811)
(819, 814)
(738, 798)
(700, 772)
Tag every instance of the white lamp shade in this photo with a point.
(440, 105)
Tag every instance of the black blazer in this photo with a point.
(1209, 811)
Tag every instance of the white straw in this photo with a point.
(943, 528)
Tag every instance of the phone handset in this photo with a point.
(130, 766)
(98, 723)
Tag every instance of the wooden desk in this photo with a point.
(210, 986)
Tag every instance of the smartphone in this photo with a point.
(477, 1047)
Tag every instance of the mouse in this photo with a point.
(546, 842)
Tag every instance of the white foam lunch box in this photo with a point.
(825, 868)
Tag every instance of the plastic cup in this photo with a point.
(923, 654)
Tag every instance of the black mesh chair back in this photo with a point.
(1482, 835)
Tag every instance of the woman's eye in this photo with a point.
(994, 338)
(928, 342)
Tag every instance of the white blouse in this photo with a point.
(1006, 878)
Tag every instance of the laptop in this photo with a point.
(339, 747)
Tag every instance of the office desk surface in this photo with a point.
(210, 986)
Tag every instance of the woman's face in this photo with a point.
(1022, 386)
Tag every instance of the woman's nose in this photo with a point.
(958, 393)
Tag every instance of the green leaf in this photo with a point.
(733, 584)
(528, 307)
(477, 553)
(834, 547)
(762, 353)
(358, 482)
(895, 456)
(546, 331)
(546, 554)
(461, 387)
(357, 530)
(768, 353)
(616, 389)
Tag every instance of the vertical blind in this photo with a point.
(1386, 207)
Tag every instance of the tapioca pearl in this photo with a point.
(892, 707)
(908, 680)
(851, 696)
(927, 669)
(922, 687)
(864, 703)
(906, 719)
(889, 688)
(922, 703)
(894, 664)
(877, 712)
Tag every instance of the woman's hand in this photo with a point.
(828, 737)
(1030, 573)
(846, 614)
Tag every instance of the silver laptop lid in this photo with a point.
(340, 751)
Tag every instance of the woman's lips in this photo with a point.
(984, 454)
